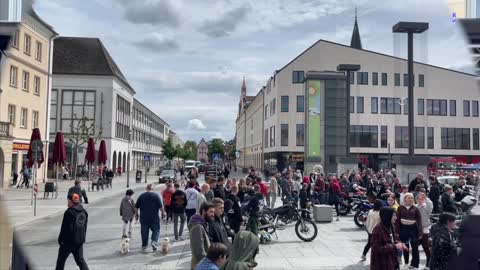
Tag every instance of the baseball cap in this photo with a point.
(75, 198)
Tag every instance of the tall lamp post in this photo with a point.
(129, 156)
(348, 68)
(410, 28)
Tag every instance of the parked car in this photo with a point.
(159, 170)
(212, 171)
(451, 180)
(166, 175)
(202, 168)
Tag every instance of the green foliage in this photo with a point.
(216, 146)
(169, 151)
(190, 150)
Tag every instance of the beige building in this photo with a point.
(25, 83)
(202, 151)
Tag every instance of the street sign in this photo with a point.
(35, 190)
(216, 157)
(146, 158)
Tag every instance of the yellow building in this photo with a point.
(459, 7)
(25, 83)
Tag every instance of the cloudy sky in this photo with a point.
(186, 59)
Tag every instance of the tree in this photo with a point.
(169, 150)
(179, 152)
(216, 146)
(80, 131)
(190, 150)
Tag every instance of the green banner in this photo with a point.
(313, 118)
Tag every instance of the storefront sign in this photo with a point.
(21, 146)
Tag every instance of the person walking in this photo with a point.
(216, 226)
(448, 205)
(436, 190)
(384, 242)
(199, 241)
(77, 189)
(167, 200)
(149, 204)
(273, 189)
(444, 247)
(192, 200)
(127, 212)
(409, 226)
(373, 219)
(202, 196)
(219, 189)
(319, 190)
(253, 207)
(334, 195)
(179, 203)
(73, 234)
(216, 256)
(425, 206)
(234, 215)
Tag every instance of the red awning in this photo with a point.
(90, 155)
(59, 152)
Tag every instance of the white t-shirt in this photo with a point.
(192, 198)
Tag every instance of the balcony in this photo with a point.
(6, 129)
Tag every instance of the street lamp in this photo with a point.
(128, 156)
(348, 68)
(410, 28)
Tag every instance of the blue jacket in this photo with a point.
(206, 264)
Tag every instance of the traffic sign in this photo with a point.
(35, 190)
(216, 157)
(146, 158)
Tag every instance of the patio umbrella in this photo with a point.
(59, 155)
(30, 155)
(90, 157)
(102, 153)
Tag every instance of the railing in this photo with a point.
(6, 129)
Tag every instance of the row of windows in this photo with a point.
(74, 105)
(122, 118)
(27, 45)
(147, 120)
(284, 131)
(25, 80)
(143, 137)
(12, 111)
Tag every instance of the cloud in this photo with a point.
(153, 12)
(226, 24)
(196, 124)
(158, 43)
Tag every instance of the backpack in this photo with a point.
(79, 231)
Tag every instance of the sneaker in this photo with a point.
(363, 258)
(154, 245)
(338, 219)
(181, 238)
(144, 249)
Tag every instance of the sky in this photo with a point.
(186, 59)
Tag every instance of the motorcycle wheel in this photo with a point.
(357, 221)
(308, 227)
(343, 210)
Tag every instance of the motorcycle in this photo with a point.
(361, 213)
(347, 203)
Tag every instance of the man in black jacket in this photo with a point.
(448, 204)
(216, 227)
(179, 203)
(235, 214)
(419, 180)
(219, 189)
(72, 234)
(77, 189)
(436, 190)
(253, 207)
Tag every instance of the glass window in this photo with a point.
(383, 105)
(430, 136)
(453, 108)
(36, 85)
(13, 76)
(38, 51)
(11, 114)
(352, 77)
(397, 108)
(27, 44)
(390, 104)
(359, 104)
(363, 136)
(25, 80)
(266, 111)
(405, 105)
(265, 139)
(78, 98)
(419, 137)
(374, 105)
(443, 107)
(475, 108)
(300, 134)
(384, 79)
(421, 106)
(397, 79)
(300, 103)
(23, 118)
(375, 78)
(401, 137)
(421, 80)
(475, 143)
(274, 105)
(90, 98)
(352, 104)
(405, 79)
(437, 107)
(34, 119)
(456, 138)
(67, 97)
(284, 134)
(298, 76)
(284, 105)
(362, 78)
(15, 39)
(384, 137)
(466, 108)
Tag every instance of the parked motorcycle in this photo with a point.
(361, 213)
(347, 203)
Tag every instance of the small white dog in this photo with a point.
(125, 246)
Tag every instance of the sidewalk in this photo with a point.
(20, 210)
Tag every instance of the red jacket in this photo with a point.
(335, 187)
(263, 189)
(167, 196)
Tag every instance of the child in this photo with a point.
(127, 212)
(167, 200)
(402, 195)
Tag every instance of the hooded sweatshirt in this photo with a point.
(199, 241)
(66, 236)
(245, 246)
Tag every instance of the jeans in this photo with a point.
(190, 213)
(127, 225)
(273, 199)
(145, 230)
(409, 236)
(182, 217)
(367, 246)
(63, 253)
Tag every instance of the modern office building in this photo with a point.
(446, 109)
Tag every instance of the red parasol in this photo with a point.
(30, 155)
(102, 153)
(59, 152)
(90, 155)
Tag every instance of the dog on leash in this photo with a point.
(125, 245)
(165, 245)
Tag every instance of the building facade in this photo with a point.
(24, 81)
(446, 108)
(176, 140)
(148, 135)
(202, 151)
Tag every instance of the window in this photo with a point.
(374, 105)
(390, 106)
(298, 76)
(453, 108)
(284, 135)
(38, 51)
(384, 79)
(363, 136)
(362, 78)
(375, 78)
(430, 139)
(123, 118)
(11, 114)
(419, 137)
(401, 137)
(405, 79)
(25, 80)
(300, 103)
(266, 111)
(272, 136)
(421, 80)
(475, 143)
(13, 76)
(27, 45)
(274, 105)
(437, 107)
(359, 104)
(265, 139)
(405, 106)
(23, 118)
(456, 138)
(53, 111)
(466, 108)
(421, 106)
(475, 108)
(397, 79)
(36, 85)
(284, 105)
(384, 137)
(77, 104)
(34, 119)
(300, 135)
(352, 104)
(352, 77)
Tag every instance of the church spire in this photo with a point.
(244, 88)
(356, 42)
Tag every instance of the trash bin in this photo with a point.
(322, 213)
(138, 176)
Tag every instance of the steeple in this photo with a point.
(356, 42)
(244, 88)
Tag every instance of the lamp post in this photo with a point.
(348, 68)
(128, 156)
(147, 139)
(410, 28)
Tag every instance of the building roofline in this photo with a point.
(138, 101)
(34, 15)
(382, 54)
